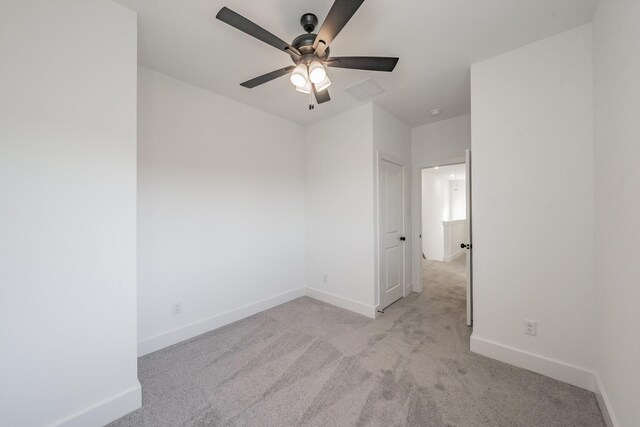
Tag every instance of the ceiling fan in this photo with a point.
(310, 51)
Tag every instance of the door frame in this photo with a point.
(416, 184)
(406, 251)
(469, 250)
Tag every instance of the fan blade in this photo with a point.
(338, 16)
(267, 77)
(322, 96)
(241, 23)
(372, 63)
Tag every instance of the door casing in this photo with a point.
(416, 247)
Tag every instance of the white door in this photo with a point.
(469, 246)
(391, 218)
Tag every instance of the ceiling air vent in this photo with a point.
(365, 90)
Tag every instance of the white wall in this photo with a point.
(617, 180)
(392, 137)
(221, 210)
(435, 209)
(341, 166)
(532, 114)
(458, 198)
(455, 234)
(68, 215)
(339, 215)
(443, 142)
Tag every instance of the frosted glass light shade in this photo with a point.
(323, 84)
(304, 89)
(317, 73)
(299, 75)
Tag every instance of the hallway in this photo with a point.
(452, 275)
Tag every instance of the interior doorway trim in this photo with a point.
(406, 212)
(416, 185)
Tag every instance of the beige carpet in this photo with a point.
(309, 363)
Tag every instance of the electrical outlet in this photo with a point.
(325, 279)
(530, 327)
(176, 308)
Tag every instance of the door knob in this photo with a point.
(402, 238)
(465, 246)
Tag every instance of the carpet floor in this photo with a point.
(309, 363)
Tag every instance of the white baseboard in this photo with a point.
(338, 301)
(408, 288)
(174, 336)
(604, 403)
(453, 256)
(106, 411)
(571, 374)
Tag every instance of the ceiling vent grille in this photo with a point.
(365, 90)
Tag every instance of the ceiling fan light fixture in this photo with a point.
(309, 52)
(305, 89)
(300, 76)
(317, 73)
(323, 84)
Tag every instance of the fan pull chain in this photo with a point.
(311, 106)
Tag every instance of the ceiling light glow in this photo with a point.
(305, 89)
(323, 84)
(317, 73)
(299, 75)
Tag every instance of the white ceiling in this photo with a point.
(436, 41)
(449, 172)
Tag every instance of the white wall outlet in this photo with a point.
(325, 279)
(176, 308)
(530, 327)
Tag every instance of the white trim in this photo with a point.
(449, 161)
(454, 222)
(174, 336)
(185, 332)
(105, 411)
(391, 158)
(453, 256)
(565, 372)
(469, 225)
(408, 288)
(342, 302)
(604, 403)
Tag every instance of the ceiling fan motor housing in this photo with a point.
(304, 44)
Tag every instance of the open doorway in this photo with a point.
(445, 233)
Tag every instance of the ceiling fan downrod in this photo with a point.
(309, 21)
